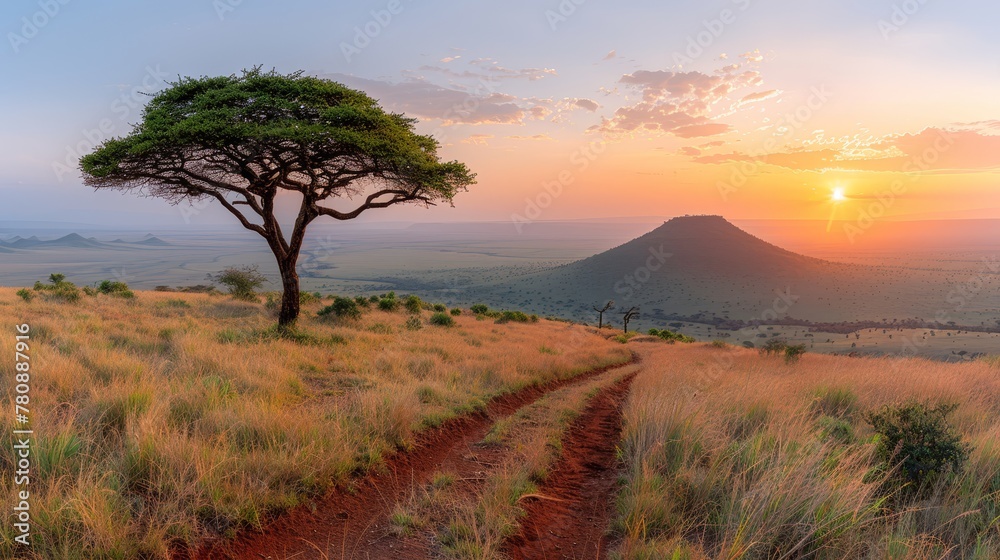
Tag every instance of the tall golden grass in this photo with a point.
(732, 455)
(170, 417)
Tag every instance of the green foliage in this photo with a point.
(718, 343)
(836, 429)
(242, 281)
(456, 312)
(413, 323)
(116, 289)
(515, 317)
(59, 288)
(341, 308)
(306, 297)
(413, 304)
(363, 302)
(442, 319)
(26, 294)
(389, 302)
(625, 337)
(671, 336)
(748, 344)
(918, 439)
(793, 352)
(834, 401)
(479, 309)
(775, 346)
(439, 307)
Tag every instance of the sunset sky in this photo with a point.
(746, 108)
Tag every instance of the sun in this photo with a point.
(838, 195)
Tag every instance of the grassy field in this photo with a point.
(170, 417)
(730, 455)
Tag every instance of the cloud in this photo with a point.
(423, 99)
(759, 96)
(587, 104)
(478, 139)
(448, 59)
(932, 149)
(690, 151)
(536, 137)
(611, 55)
(679, 103)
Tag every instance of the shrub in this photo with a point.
(671, 336)
(748, 344)
(242, 281)
(442, 319)
(793, 352)
(440, 307)
(479, 309)
(87, 290)
(25, 294)
(306, 297)
(117, 289)
(516, 317)
(917, 438)
(774, 346)
(413, 304)
(388, 302)
(59, 288)
(456, 312)
(341, 308)
(362, 301)
(718, 343)
(413, 323)
(834, 401)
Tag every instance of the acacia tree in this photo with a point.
(243, 140)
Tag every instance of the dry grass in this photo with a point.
(732, 455)
(170, 417)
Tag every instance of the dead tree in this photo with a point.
(632, 313)
(600, 312)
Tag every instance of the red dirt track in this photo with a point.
(571, 521)
(354, 524)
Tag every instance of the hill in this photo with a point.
(704, 266)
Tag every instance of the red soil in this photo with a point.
(353, 523)
(571, 518)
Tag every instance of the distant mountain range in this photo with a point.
(75, 241)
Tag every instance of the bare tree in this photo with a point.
(627, 316)
(600, 312)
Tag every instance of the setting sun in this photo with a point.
(838, 195)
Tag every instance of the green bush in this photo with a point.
(413, 323)
(341, 308)
(917, 438)
(456, 312)
(442, 319)
(479, 309)
(362, 301)
(25, 294)
(117, 289)
(793, 352)
(242, 281)
(58, 288)
(516, 317)
(413, 304)
(718, 343)
(671, 336)
(775, 346)
(388, 302)
(306, 297)
(834, 401)
(440, 307)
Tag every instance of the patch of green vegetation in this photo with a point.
(442, 319)
(341, 308)
(671, 336)
(242, 281)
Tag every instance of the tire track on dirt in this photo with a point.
(354, 523)
(570, 518)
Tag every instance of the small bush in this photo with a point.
(58, 288)
(413, 323)
(456, 312)
(917, 437)
(88, 291)
(479, 309)
(442, 319)
(242, 281)
(413, 304)
(26, 294)
(516, 317)
(775, 346)
(362, 301)
(306, 297)
(834, 401)
(388, 302)
(671, 336)
(718, 343)
(440, 307)
(116, 289)
(341, 308)
(793, 352)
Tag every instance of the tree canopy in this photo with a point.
(242, 139)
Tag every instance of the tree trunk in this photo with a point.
(290, 296)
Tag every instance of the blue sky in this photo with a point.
(76, 68)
